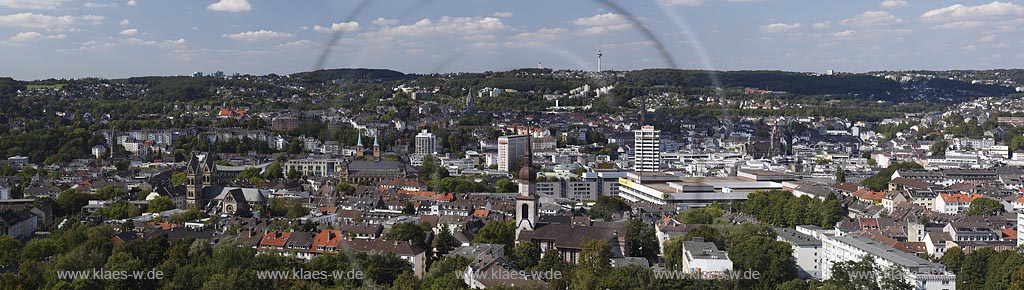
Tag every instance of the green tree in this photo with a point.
(606, 206)
(642, 241)
(274, 171)
(111, 192)
(178, 178)
(707, 215)
(9, 249)
(250, 174)
(753, 246)
(119, 210)
(407, 231)
(345, 188)
(504, 186)
(527, 255)
(296, 210)
(553, 261)
(709, 233)
(71, 202)
(594, 263)
(497, 232)
(160, 203)
(294, 175)
(985, 206)
(409, 208)
(939, 148)
(840, 174)
(880, 180)
(953, 258)
(444, 242)
(122, 165)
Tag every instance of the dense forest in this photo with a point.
(351, 75)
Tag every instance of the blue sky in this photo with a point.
(120, 38)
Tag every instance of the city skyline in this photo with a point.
(114, 39)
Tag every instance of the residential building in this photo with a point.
(511, 149)
(920, 273)
(647, 150)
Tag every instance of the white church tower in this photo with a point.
(526, 202)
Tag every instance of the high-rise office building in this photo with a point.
(647, 150)
(511, 149)
(426, 143)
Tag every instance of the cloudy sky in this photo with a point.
(119, 38)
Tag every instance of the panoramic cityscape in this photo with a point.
(665, 144)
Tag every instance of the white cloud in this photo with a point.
(869, 18)
(843, 34)
(302, 43)
(48, 22)
(33, 36)
(543, 34)
(178, 43)
(480, 37)
(822, 25)
(92, 45)
(524, 44)
(986, 11)
(446, 24)
(894, 3)
(481, 45)
(257, 35)
(602, 23)
(969, 47)
(779, 27)
(960, 25)
(1021, 55)
(133, 2)
(602, 20)
(98, 5)
(381, 21)
(129, 32)
(987, 38)
(230, 6)
(503, 14)
(32, 4)
(690, 3)
(338, 27)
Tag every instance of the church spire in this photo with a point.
(526, 202)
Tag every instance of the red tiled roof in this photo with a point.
(327, 238)
(958, 197)
(1010, 233)
(277, 239)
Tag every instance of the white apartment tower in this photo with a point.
(426, 143)
(647, 150)
(511, 149)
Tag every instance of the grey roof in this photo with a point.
(904, 259)
(699, 249)
(796, 238)
(250, 194)
(389, 166)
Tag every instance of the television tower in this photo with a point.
(599, 55)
